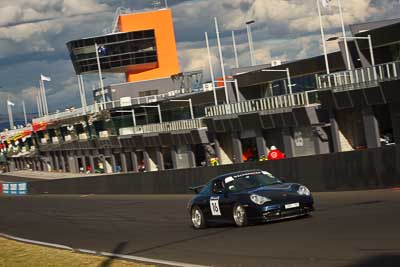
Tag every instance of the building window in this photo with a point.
(148, 93)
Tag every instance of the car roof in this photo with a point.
(220, 177)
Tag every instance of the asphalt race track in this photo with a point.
(348, 229)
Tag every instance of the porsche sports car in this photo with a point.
(248, 197)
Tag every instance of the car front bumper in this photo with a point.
(276, 212)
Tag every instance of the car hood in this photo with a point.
(276, 189)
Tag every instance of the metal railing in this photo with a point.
(68, 114)
(359, 78)
(269, 103)
(164, 127)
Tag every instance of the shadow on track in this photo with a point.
(184, 240)
(388, 260)
(117, 250)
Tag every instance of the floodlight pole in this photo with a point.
(23, 107)
(250, 38)
(323, 38)
(100, 74)
(221, 60)
(346, 46)
(235, 50)
(211, 70)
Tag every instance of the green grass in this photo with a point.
(20, 255)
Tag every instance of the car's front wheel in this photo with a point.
(239, 215)
(198, 220)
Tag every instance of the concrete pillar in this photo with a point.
(91, 162)
(288, 143)
(124, 166)
(174, 158)
(12, 165)
(191, 156)
(62, 162)
(160, 160)
(261, 145)
(34, 166)
(237, 148)
(335, 134)
(56, 162)
(371, 128)
(146, 159)
(113, 163)
(134, 162)
(50, 161)
(395, 118)
(321, 142)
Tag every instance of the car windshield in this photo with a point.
(250, 181)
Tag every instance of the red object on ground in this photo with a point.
(396, 188)
(1, 188)
(275, 154)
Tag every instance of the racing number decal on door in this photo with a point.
(214, 205)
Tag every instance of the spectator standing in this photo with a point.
(275, 154)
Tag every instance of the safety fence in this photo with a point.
(359, 78)
(270, 103)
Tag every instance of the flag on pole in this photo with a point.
(10, 103)
(44, 78)
(326, 3)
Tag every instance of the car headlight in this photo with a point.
(304, 191)
(259, 200)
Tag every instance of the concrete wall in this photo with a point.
(355, 170)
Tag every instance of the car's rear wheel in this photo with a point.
(198, 220)
(239, 215)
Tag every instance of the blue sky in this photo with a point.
(33, 34)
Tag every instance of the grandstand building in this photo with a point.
(162, 118)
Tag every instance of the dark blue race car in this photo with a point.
(248, 197)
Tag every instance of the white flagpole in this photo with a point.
(23, 107)
(344, 36)
(10, 115)
(323, 38)
(39, 106)
(45, 107)
(221, 60)
(211, 70)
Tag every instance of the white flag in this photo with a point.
(44, 78)
(10, 103)
(325, 3)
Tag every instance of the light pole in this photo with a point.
(250, 38)
(323, 38)
(371, 50)
(96, 46)
(190, 105)
(23, 107)
(222, 61)
(211, 70)
(287, 75)
(235, 50)
(346, 47)
(133, 115)
(159, 110)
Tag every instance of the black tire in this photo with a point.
(198, 220)
(239, 215)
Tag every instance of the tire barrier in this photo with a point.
(355, 170)
(14, 188)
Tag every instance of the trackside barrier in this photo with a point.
(14, 188)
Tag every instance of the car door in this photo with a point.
(219, 203)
